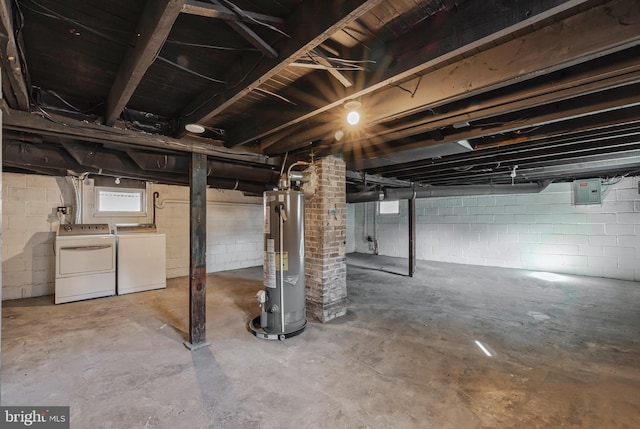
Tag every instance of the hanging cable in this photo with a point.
(200, 45)
(190, 71)
(273, 94)
(242, 13)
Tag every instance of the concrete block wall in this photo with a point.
(234, 229)
(544, 232)
(29, 225)
(30, 222)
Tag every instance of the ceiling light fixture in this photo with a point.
(194, 128)
(353, 116)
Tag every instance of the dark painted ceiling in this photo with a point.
(451, 92)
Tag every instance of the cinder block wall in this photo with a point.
(29, 225)
(29, 220)
(543, 231)
(234, 229)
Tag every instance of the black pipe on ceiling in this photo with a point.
(393, 194)
(166, 162)
(44, 158)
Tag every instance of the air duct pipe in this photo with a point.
(365, 197)
(392, 194)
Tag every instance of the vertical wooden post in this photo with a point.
(412, 236)
(198, 243)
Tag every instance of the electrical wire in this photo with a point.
(273, 94)
(200, 45)
(56, 15)
(413, 93)
(211, 79)
(357, 40)
(59, 97)
(242, 13)
(235, 85)
(342, 64)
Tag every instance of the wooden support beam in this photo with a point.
(250, 36)
(592, 80)
(321, 19)
(32, 123)
(412, 236)
(584, 107)
(14, 86)
(497, 67)
(323, 60)
(458, 35)
(198, 250)
(546, 50)
(153, 30)
(193, 7)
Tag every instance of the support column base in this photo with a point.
(324, 313)
(194, 347)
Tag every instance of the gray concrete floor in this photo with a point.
(565, 354)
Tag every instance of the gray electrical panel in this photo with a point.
(588, 191)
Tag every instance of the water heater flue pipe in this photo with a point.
(392, 194)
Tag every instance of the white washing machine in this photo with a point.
(141, 258)
(85, 262)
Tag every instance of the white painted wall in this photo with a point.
(351, 225)
(29, 226)
(234, 229)
(543, 231)
(29, 220)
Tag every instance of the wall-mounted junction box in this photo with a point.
(588, 191)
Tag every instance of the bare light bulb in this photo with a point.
(353, 117)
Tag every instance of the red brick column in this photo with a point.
(325, 237)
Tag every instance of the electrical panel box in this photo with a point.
(588, 191)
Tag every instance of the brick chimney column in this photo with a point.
(325, 237)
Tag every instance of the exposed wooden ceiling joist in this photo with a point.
(82, 131)
(193, 7)
(153, 30)
(588, 106)
(250, 36)
(600, 128)
(322, 59)
(457, 35)
(590, 34)
(13, 82)
(491, 69)
(594, 80)
(316, 29)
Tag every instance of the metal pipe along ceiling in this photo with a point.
(392, 194)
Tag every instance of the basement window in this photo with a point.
(127, 200)
(389, 207)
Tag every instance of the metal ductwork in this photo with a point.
(392, 194)
(180, 164)
(37, 157)
(236, 185)
(365, 197)
(53, 160)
